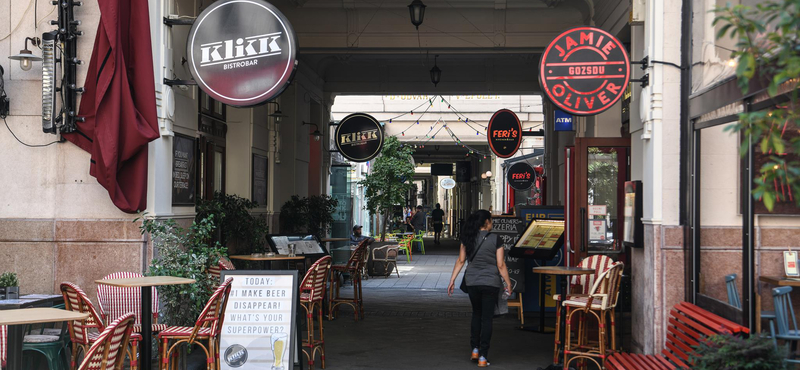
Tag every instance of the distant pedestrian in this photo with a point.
(483, 278)
(437, 216)
(418, 223)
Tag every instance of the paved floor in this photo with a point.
(411, 323)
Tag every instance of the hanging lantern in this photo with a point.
(436, 73)
(417, 11)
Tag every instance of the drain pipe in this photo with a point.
(687, 132)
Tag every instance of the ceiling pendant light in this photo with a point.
(436, 73)
(417, 11)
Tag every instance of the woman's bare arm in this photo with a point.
(462, 259)
(501, 266)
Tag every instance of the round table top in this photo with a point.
(562, 270)
(334, 240)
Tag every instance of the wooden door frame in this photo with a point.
(580, 188)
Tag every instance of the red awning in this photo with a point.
(119, 103)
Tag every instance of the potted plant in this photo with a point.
(9, 284)
(236, 228)
(731, 352)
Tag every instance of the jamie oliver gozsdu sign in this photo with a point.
(359, 137)
(504, 133)
(242, 52)
(584, 71)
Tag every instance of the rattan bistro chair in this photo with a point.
(215, 270)
(600, 303)
(312, 293)
(206, 329)
(84, 333)
(579, 287)
(106, 352)
(116, 301)
(353, 267)
(387, 255)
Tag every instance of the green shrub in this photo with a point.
(187, 254)
(238, 230)
(9, 279)
(728, 352)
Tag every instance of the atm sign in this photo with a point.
(584, 71)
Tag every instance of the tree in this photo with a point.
(389, 181)
(768, 49)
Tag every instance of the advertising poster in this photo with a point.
(597, 230)
(259, 327)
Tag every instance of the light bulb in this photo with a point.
(488, 173)
(483, 175)
(25, 64)
(731, 62)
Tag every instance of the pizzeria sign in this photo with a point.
(584, 71)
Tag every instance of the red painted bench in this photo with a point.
(688, 325)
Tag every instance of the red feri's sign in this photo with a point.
(521, 176)
(504, 133)
(584, 71)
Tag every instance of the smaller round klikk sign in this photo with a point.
(584, 71)
(504, 133)
(521, 176)
(359, 137)
(242, 52)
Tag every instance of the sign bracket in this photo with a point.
(644, 81)
(176, 82)
(169, 22)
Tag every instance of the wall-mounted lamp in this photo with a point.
(277, 114)
(316, 134)
(25, 56)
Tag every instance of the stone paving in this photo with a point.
(411, 323)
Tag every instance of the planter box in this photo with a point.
(11, 292)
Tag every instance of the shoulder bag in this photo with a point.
(463, 285)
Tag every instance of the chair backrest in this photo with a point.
(107, 352)
(357, 257)
(3, 350)
(316, 279)
(214, 312)
(75, 299)
(385, 253)
(733, 293)
(784, 312)
(688, 326)
(223, 264)
(115, 301)
(599, 263)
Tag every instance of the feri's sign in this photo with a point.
(521, 176)
(242, 52)
(447, 183)
(359, 137)
(504, 133)
(584, 71)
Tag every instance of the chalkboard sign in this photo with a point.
(508, 230)
(260, 327)
(260, 180)
(183, 170)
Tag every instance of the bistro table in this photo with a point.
(267, 260)
(564, 272)
(16, 320)
(32, 300)
(146, 283)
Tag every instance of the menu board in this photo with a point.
(183, 170)
(259, 330)
(541, 240)
(508, 230)
(260, 180)
(304, 244)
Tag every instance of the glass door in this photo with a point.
(595, 214)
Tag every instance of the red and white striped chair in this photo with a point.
(116, 301)
(206, 328)
(84, 333)
(224, 264)
(579, 287)
(3, 339)
(312, 293)
(106, 352)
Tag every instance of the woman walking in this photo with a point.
(484, 279)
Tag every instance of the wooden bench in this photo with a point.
(688, 325)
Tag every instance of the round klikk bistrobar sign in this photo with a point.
(584, 71)
(242, 52)
(359, 137)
